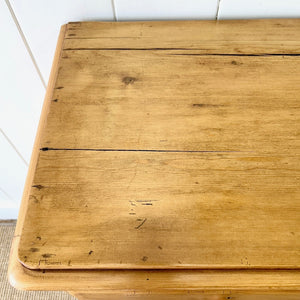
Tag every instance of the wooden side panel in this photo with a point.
(191, 296)
(17, 274)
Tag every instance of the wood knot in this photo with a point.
(128, 80)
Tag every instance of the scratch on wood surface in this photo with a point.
(145, 200)
(143, 222)
(207, 105)
(38, 186)
(48, 255)
(134, 175)
(47, 262)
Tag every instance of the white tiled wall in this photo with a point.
(165, 10)
(12, 174)
(40, 21)
(28, 35)
(254, 9)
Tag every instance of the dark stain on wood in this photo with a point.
(48, 255)
(38, 186)
(34, 249)
(59, 87)
(36, 200)
(144, 258)
(128, 80)
(206, 105)
(74, 23)
(91, 252)
(235, 63)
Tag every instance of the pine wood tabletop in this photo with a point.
(168, 148)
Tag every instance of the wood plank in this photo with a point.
(175, 100)
(162, 210)
(191, 296)
(235, 36)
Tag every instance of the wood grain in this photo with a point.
(277, 36)
(256, 179)
(191, 296)
(175, 100)
(162, 210)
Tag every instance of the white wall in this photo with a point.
(28, 34)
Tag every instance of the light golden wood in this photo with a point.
(275, 36)
(273, 165)
(191, 296)
(95, 209)
(175, 100)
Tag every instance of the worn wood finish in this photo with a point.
(162, 210)
(279, 163)
(175, 100)
(221, 37)
(191, 296)
(97, 296)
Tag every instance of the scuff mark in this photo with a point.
(38, 186)
(143, 222)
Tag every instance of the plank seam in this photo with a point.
(140, 150)
(182, 49)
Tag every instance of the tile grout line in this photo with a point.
(14, 147)
(13, 15)
(114, 10)
(218, 9)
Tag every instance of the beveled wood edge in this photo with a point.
(15, 269)
(117, 281)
